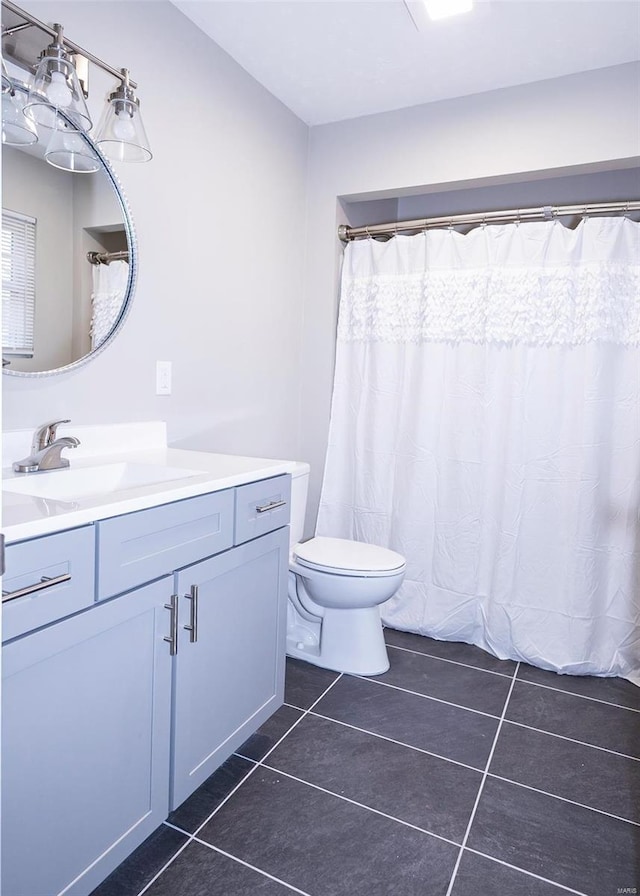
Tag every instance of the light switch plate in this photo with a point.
(163, 377)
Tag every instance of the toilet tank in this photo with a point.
(299, 488)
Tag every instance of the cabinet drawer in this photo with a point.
(138, 547)
(46, 579)
(262, 507)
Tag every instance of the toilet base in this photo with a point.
(350, 641)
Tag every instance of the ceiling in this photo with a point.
(328, 60)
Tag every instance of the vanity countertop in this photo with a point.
(27, 516)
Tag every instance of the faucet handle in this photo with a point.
(45, 434)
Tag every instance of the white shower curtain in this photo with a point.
(109, 289)
(486, 424)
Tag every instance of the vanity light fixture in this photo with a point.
(56, 88)
(17, 128)
(67, 149)
(442, 9)
(7, 85)
(121, 135)
(56, 109)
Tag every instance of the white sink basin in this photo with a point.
(77, 483)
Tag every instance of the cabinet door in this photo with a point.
(85, 736)
(229, 674)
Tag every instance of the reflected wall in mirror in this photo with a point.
(78, 305)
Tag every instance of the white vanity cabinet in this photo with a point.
(231, 647)
(166, 659)
(85, 743)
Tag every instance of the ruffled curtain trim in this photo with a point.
(536, 284)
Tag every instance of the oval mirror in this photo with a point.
(69, 256)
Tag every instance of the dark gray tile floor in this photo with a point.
(453, 774)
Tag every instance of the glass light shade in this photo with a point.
(17, 129)
(67, 149)
(121, 135)
(7, 86)
(56, 88)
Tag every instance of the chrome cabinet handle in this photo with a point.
(172, 637)
(45, 582)
(263, 508)
(192, 628)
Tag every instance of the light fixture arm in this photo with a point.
(65, 43)
(124, 93)
(16, 29)
(57, 50)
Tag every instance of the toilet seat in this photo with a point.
(342, 557)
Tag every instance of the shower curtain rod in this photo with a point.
(547, 212)
(106, 257)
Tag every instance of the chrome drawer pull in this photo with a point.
(172, 638)
(45, 582)
(263, 508)
(192, 628)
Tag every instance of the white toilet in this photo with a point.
(335, 589)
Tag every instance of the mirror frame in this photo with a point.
(132, 244)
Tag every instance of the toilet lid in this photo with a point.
(343, 555)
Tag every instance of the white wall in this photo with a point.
(579, 123)
(217, 213)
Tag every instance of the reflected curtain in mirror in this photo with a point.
(109, 288)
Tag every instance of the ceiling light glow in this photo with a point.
(442, 9)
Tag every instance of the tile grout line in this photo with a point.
(490, 716)
(166, 864)
(400, 743)
(194, 836)
(524, 871)
(563, 799)
(252, 867)
(175, 827)
(422, 830)
(490, 774)
(445, 659)
(573, 740)
(395, 687)
(471, 768)
(482, 783)
(522, 680)
(194, 839)
(346, 799)
(548, 687)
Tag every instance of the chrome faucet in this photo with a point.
(46, 450)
